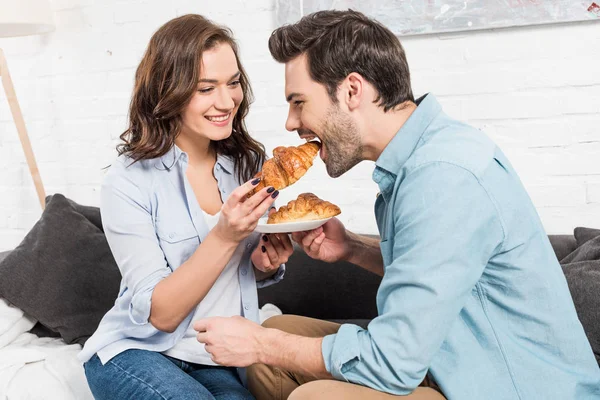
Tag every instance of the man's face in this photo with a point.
(314, 116)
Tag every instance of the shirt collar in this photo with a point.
(175, 154)
(402, 145)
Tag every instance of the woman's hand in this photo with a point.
(239, 216)
(273, 250)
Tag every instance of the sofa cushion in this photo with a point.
(582, 235)
(63, 273)
(582, 270)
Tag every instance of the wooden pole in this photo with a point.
(11, 96)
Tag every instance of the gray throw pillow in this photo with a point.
(582, 270)
(63, 273)
(582, 234)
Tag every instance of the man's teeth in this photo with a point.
(219, 119)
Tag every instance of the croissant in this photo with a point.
(306, 207)
(287, 166)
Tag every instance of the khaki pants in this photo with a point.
(271, 383)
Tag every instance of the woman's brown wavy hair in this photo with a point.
(165, 82)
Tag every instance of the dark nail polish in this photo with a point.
(264, 249)
(270, 190)
(265, 238)
(275, 194)
(255, 182)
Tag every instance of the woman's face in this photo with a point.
(210, 112)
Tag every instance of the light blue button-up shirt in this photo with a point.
(472, 291)
(153, 224)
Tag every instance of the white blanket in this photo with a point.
(33, 368)
(37, 368)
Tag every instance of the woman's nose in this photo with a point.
(224, 100)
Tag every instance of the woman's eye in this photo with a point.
(205, 90)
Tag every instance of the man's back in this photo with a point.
(516, 334)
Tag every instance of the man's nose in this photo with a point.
(293, 122)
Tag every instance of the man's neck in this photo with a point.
(382, 127)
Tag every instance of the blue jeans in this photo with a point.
(148, 375)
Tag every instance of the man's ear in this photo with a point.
(353, 87)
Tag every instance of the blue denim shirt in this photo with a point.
(472, 292)
(153, 224)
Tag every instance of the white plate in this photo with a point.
(288, 227)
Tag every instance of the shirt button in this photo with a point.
(248, 245)
(246, 307)
(244, 271)
(171, 235)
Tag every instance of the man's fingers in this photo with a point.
(201, 325)
(310, 236)
(202, 337)
(241, 191)
(316, 244)
(298, 236)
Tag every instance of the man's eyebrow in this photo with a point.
(291, 96)
(236, 75)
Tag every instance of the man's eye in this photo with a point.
(298, 102)
(234, 83)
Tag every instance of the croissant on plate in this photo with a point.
(306, 207)
(287, 166)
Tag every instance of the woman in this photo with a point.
(175, 216)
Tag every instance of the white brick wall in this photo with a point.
(535, 91)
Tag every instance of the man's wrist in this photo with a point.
(269, 341)
(351, 241)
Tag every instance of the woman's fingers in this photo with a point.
(256, 199)
(240, 192)
(262, 208)
(269, 250)
(284, 238)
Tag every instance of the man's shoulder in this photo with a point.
(454, 143)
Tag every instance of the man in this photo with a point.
(473, 303)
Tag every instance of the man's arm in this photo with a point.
(365, 252)
(446, 230)
(292, 353)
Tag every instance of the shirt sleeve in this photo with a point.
(446, 229)
(127, 222)
(273, 279)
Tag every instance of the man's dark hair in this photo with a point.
(338, 43)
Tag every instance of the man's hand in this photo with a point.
(232, 342)
(329, 243)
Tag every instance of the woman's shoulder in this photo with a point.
(125, 170)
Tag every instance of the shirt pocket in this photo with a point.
(387, 250)
(177, 241)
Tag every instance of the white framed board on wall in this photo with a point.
(419, 17)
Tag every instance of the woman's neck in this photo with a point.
(199, 150)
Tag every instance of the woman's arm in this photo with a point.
(179, 293)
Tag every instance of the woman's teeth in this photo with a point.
(218, 119)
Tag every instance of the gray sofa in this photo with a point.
(342, 292)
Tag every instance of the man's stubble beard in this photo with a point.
(342, 141)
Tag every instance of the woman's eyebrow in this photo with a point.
(216, 81)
